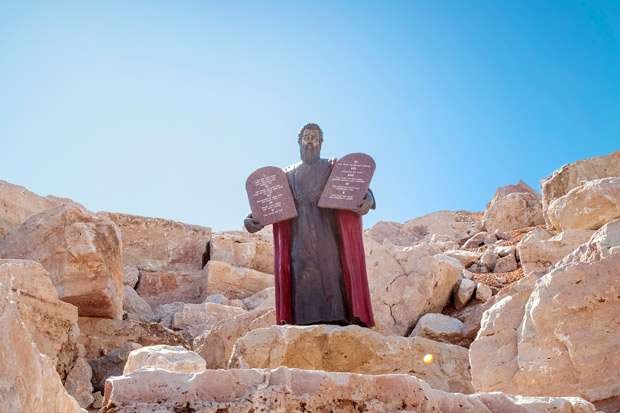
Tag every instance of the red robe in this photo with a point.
(352, 260)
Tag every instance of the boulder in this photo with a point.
(464, 292)
(483, 292)
(136, 307)
(263, 299)
(489, 259)
(195, 319)
(294, 390)
(241, 249)
(78, 383)
(170, 358)
(80, 250)
(353, 349)
(479, 239)
(539, 249)
(157, 244)
(513, 207)
(221, 299)
(576, 174)
(235, 282)
(216, 345)
(507, 263)
(110, 364)
(439, 327)
(28, 379)
(407, 282)
(131, 276)
(588, 206)
(467, 258)
(100, 335)
(165, 287)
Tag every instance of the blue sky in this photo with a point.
(164, 108)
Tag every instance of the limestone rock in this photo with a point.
(439, 327)
(136, 306)
(198, 318)
(263, 299)
(407, 282)
(164, 313)
(165, 287)
(588, 206)
(539, 249)
(100, 335)
(221, 299)
(467, 258)
(576, 174)
(483, 292)
(479, 239)
(353, 349)
(506, 264)
(464, 292)
(216, 345)
(110, 364)
(81, 251)
(293, 390)
(157, 244)
(235, 282)
(28, 380)
(78, 383)
(513, 207)
(242, 249)
(170, 358)
(489, 259)
(131, 275)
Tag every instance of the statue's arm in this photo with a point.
(251, 224)
(367, 204)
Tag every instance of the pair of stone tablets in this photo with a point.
(271, 199)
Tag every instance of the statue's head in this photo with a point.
(310, 141)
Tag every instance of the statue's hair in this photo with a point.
(312, 126)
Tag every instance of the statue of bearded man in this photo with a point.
(320, 270)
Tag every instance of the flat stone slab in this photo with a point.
(270, 196)
(348, 183)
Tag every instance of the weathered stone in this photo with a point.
(539, 250)
(165, 287)
(221, 299)
(100, 335)
(353, 349)
(81, 251)
(464, 292)
(439, 327)
(131, 275)
(576, 174)
(479, 239)
(242, 249)
(78, 383)
(136, 306)
(466, 258)
(198, 318)
(513, 207)
(407, 282)
(165, 313)
(216, 345)
(293, 390)
(261, 300)
(235, 282)
(504, 250)
(170, 358)
(489, 259)
(110, 364)
(589, 206)
(483, 292)
(506, 264)
(157, 244)
(28, 380)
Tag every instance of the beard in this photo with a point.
(310, 154)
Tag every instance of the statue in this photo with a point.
(320, 270)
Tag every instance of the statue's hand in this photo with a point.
(366, 204)
(252, 224)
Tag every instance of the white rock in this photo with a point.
(464, 292)
(439, 327)
(169, 358)
(483, 292)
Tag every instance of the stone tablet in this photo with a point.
(348, 183)
(270, 197)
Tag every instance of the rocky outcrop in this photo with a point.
(195, 319)
(286, 389)
(513, 207)
(241, 249)
(28, 379)
(353, 349)
(80, 250)
(157, 244)
(169, 358)
(588, 206)
(407, 282)
(164, 287)
(136, 307)
(576, 174)
(216, 345)
(235, 282)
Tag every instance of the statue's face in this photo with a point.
(310, 145)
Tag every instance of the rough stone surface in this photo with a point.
(99, 335)
(131, 275)
(165, 287)
(489, 259)
(456, 225)
(160, 244)
(576, 174)
(466, 258)
(195, 319)
(439, 327)
(262, 299)
(78, 383)
(241, 249)
(216, 345)
(353, 349)
(513, 207)
(464, 292)
(110, 364)
(293, 390)
(235, 282)
(479, 239)
(506, 264)
(589, 206)
(539, 250)
(28, 379)
(136, 307)
(483, 292)
(407, 282)
(170, 358)
(80, 250)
